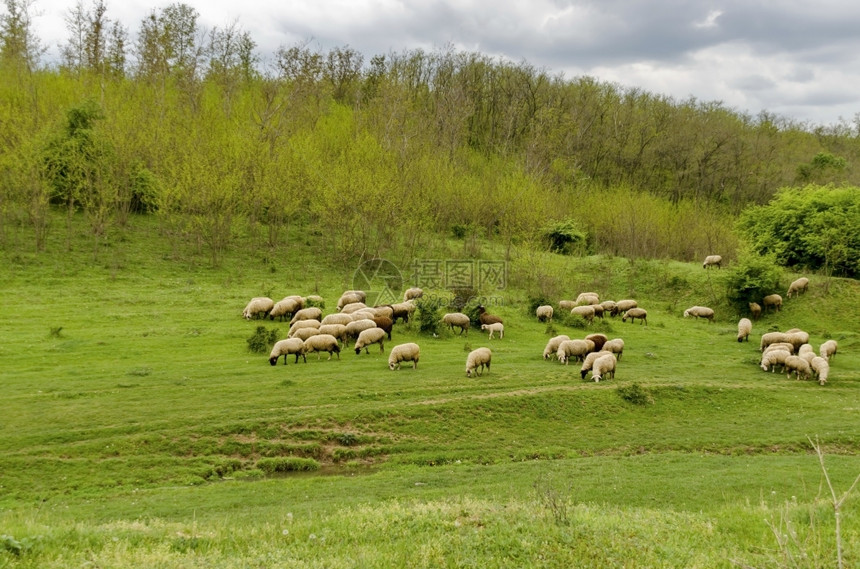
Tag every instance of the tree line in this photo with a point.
(190, 126)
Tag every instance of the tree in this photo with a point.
(19, 45)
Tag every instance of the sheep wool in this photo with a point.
(576, 349)
(798, 366)
(312, 313)
(322, 343)
(566, 304)
(336, 330)
(285, 348)
(797, 287)
(623, 306)
(712, 260)
(744, 329)
(337, 318)
(553, 344)
(305, 333)
(700, 312)
(772, 301)
(302, 324)
(370, 336)
(588, 362)
(635, 313)
(615, 346)
(544, 313)
(414, 292)
(821, 369)
(477, 360)
(772, 358)
(604, 365)
(828, 349)
(284, 308)
(772, 338)
(404, 353)
(587, 298)
(457, 319)
(258, 307)
(586, 312)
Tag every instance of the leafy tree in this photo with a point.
(566, 237)
(19, 45)
(750, 279)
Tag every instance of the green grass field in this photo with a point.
(138, 429)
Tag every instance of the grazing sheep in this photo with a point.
(413, 292)
(258, 307)
(487, 318)
(285, 348)
(322, 343)
(370, 336)
(284, 309)
(576, 349)
(566, 305)
(804, 349)
(364, 314)
(586, 298)
(755, 310)
(614, 346)
(544, 313)
(797, 338)
(828, 349)
(384, 311)
(623, 306)
(305, 333)
(608, 306)
(598, 311)
(771, 358)
(772, 301)
(302, 324)
(744, 329)
(798, 366)
(588, 362)
(797, 287)
(553, 344)
(312, 313)
(820, 368)
(635, 313)
(477, 360)
(350, 297)
(353, 307)
(402, 311)
(336, 330)
(337, 318)
(808, 356)
(602, 366)
(587, 312)
(384, 322)
(772, 338)
(356, 327)
(493, 328)
(712, 260)
(404, 353)
(598, 339)
(787, 346)
(457, 319)
(700, 312)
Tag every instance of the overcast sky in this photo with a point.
(798, 59)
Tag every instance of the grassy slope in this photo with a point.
(149, 391)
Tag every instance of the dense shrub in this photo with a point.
(262, 340)
(750, 279)
(428, 314)
(566, 237)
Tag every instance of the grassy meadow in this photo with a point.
(138, 430)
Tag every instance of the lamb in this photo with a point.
(820, 368)
(614, 346)
(828, 349)
(284, 308)
(402, 310)
(322, 343)
(384, 322)
(772, 301)
(797, 287)
(772, 358)
(712, 260)
(635, 313)
(477, 360)
(576, 349)
(586, 312)
(302, 324)
(336, 330)
(312, 313)
(356, 327)
(771, 338)
(587, 298)
(493, 328)
(287, 347)
(602, 366)
(700, 312)
(457, 319)
(553, 344)
(413, 292)
(744, 329)
(755, 310)
(486, 318)
(798, 366)
(370, 336)
(337, 318)
(544, 313)
(588, 362)
(598, 339)
(404, 353)
(623, 306)
(258, 307)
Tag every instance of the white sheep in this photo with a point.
(588, 362)
(635, 313)
(287, 347)
(797, 337)
(384, 311)
(402, 310)
(798, 366)
(712, 260)
(312, 313)
(772, 301)
(302, 324)
(804, 349)
(755, 310)
(553, 344)
(404, 353)
(477, 360)
(305, 333)
(576, 349)
(598, 311)
(615, 346)
(772, 338)
(350, 297)
(363, 314)
(771, 358)
(623, 306)
(284, 308)
(602, 366)
(744, 329)
(700, 312)
(353, 307)
(608, 306)
(413, 292)
(257, 306)
(797, 287)
(566, 305)
(368, 337)
(493, 328)
(356, 327)
(337, 318)
(585, 298)
(322, 343)
(586, 312)
(544, 313)
(336, 330)
(828, 349)
(820, 368)
(787, 346)
(457, 319)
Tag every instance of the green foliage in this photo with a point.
(566, 237)
(271, 465)
(822, 166)
(815, 227)
(636, 394)
(262, 340)
(428, 314)
(751, 278)
(145, 190)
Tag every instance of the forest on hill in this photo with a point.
(376, 152)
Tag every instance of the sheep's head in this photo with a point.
(686, 313)
(392, 366)
(273, 360)
(484, 326)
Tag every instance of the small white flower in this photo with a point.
(312, 536)
(286, 532)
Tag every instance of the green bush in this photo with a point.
(566, 237)
(635, 394)
(287, 464)
(750, 279)
(428, 314)
(262, 340)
